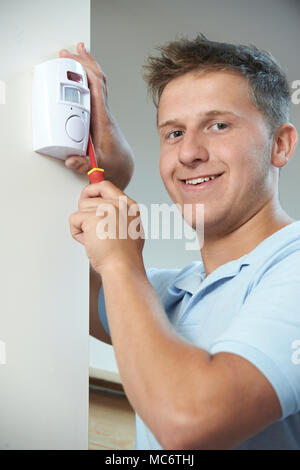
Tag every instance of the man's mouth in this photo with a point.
(200, 182)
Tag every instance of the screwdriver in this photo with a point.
(96, 175)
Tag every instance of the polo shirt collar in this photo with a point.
(194, 278)
(190, 278)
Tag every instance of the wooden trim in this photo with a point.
(106, 384)
(105, 379)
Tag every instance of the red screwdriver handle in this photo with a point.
(96, 175)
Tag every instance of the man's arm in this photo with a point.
(113, 153)
(96, 327)
(198, 401)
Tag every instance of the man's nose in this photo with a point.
(192, 149)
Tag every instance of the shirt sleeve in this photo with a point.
(266, 331)
(159, 278)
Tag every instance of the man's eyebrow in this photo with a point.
(213, 112)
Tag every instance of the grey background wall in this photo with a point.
(44, 273)
(124, 32)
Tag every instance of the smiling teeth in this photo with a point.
(200, 180)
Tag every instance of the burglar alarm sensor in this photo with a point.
(60, 108)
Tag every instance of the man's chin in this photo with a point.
(209, 225)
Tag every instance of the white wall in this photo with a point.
(44, 273)
(124, 32)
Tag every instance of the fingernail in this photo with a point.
(84, 47)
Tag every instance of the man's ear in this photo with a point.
(284, 143)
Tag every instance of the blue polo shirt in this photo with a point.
(250, 307)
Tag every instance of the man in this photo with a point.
(206, 353)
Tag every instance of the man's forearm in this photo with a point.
(115, 155)
(120, 173)
(157, 366)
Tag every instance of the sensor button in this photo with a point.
(75, 128)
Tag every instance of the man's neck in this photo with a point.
(217, 251)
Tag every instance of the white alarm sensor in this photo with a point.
(60, 108)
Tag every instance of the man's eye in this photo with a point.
(221, 125)
(174, 134)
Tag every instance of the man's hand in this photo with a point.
(113, 152)
(108, 224)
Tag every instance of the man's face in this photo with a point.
(208, 125)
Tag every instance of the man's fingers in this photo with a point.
(105, 190)
(85, 59)
(86, 209)
(65, 53)
(72, 162)
(96, 77)
(92, 204)
(82, 58)
(83, 52)
(76, 222)
(78, 163)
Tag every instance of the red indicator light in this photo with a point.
(75, 77)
